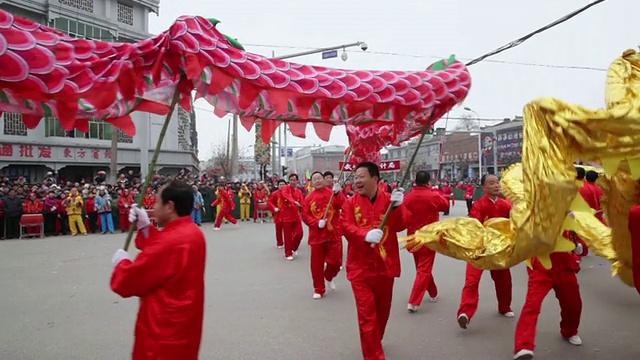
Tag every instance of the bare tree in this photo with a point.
(467, 122)
(219, 161)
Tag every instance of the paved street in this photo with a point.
(56, 305)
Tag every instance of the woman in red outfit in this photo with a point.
(447, 192)
(488, 207)
(33, 205)
(325, 237)
(260, 195)
(149, 201)
(275, 203)
(125, 201)
(469, 191)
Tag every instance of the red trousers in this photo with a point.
(329, 252)
(373, 303)
(565, 284)
(279, 238)
(124, 222)
(289, 232)
(424, 259)
(298, 234)
(225, 214)
(470, 295)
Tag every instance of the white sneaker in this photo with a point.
(332, 285)
(317, 296)
(412, 308)
(433, 299)
(509, 314)
(463, 321)
(523, 355)
(216, 229)
(289, 258)
(575, 340)
(280, 246)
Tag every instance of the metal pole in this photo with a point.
(479, 155)
(317, 51)
(228, 153)
(113, 173)
(495, 153)
(279, 168)
(234, 149)
(286, 153)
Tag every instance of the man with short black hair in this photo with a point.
(371, 270)
(428, 203)
(490, 206)
(167, 276)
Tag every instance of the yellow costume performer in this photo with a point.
(245, 203)
(543, 191)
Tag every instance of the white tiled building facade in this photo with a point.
(76, 155)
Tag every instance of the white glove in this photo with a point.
(579, 249)
(374, 236)
(139, 217)
(276, 210)
(126, 206)
(336, 188)
(322, 223)
(53, 208)
(119, 256)
(397, 197)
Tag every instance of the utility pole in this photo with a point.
(228, 152)
(234, 148)
(113, 172)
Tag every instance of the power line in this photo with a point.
(386, 53)
(531, 34)
(487, 55)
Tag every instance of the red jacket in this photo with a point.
(359, 216)
(225, 199)
(484, 209)
(90, 205)
(313, 209)
(125, 202)
(425, 205)
(592, 193)
(149, 201)
(168, 277)
(32, 207)
(469, 190)
(288, 196)
(275, 202)
(259, 195)
(447, 191)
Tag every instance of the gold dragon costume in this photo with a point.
(543, 191)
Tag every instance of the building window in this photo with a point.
(84, 5)
(125, 13)
(13, 124)
(80, 30)
(98, 130)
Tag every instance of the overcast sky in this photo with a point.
(410, 35)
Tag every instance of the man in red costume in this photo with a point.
(226, 211)
(149, 201)
(447, 192)
(592, 193)
(286, 205)
(469, 191)
(167, 276)
(325, 237)
(275, 203)
(428, 204)
(294, 195)
(32, 205)
(488, 207)
(562, 279)
(372, 270)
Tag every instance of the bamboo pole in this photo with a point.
(152, 164)
(344, 163)
(407, 171)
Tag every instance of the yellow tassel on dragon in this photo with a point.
(543, 191)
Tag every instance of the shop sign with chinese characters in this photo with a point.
(389, 165)
(26, 152)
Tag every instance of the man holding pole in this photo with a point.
(372, 270)
(321, 212)
(167, 276)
